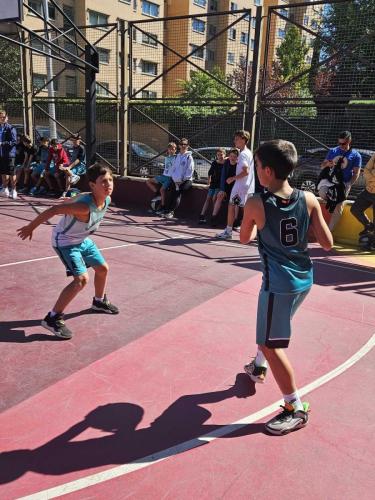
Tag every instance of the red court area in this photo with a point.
(153, 403)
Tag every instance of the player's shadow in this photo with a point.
(13, 331)
(183, 421)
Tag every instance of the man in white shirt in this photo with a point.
(244, 181)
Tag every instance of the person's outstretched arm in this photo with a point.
(80, 210)
(317, 222)
(248, 226)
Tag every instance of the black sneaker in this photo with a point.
(202, 219)
(104, 306)
(368, 229)
(56, 325)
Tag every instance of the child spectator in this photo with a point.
(59, 157)
(244, 181)
(37, 175)
(182, 176)
(77, 165)
(366, 199)
(27, 166)
(162, 182)
(214, 178)
(228, 170)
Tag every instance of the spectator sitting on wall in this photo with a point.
(27, 166)
(162, 182)
(59, 157)
(366, 199)
(77, 165)
(228, 170)
(37, 175)
(182, 176)
(8, 140)
(214, 177)
(349, 161)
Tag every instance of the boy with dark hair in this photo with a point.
(163, 181)
(77, 164)
(8, 140)
(228, 171)
(27, 166)
(59, 157)
(214, 178)
(37, 175)
(81, 217)
(281, 218)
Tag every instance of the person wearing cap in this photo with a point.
(77, 166)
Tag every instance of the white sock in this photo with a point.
(260, 359)
(294, 400)
(229, 229)
(100, 299)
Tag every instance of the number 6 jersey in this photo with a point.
(282, 244)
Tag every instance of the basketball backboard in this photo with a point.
(10, 10)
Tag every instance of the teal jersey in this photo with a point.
(70, 231)
(282, 243)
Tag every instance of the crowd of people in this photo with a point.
(46, 168)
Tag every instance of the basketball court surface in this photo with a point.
(153, 402)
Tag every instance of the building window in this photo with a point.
(39, 81)
(200, 3)
(199, 54)
(102, 89)
(244, 38)
(213, 5)
(212, 29)
(257, 3)
(233, 6)
(210, 55)
(283, 12)
(149, 68)
(69, 12)
(149, 94)
(252, 44)
(253, 22)
(150, 9)
(70, 47)
(126, 1)
(38, 44)
(71, 86)
(150, 39)
(231, 58)
(96, 18)
(306, 20)
(232, 34)
(281, 33)
(38, 7)
(199, 26)
(103, 55)
(314, 24)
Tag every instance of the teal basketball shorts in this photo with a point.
(275, 312)
(77, 258)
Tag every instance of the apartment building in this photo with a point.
(96, 15)
(216, 41)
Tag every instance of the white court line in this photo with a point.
(174, 237)
(141, 463)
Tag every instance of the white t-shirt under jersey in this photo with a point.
(247, 183)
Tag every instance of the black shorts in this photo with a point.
(6, 166)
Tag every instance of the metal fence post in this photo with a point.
(27, 91)
(124, 82)
(91, 57)
(253, 88)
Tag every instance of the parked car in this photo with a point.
(305, 176)
(203, 157)
(143, 160)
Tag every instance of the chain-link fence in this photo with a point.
(318, 80)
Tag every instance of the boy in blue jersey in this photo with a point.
(81, 217)
(280, 218)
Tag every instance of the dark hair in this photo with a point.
(234, 151)
(346, 135)
(97, 170)
(222, 150)
(76, 137)
(54, 142)
(43, 139)
(279, 155)
(171, 144)
(244, 134)
(183, 139)
(25, 138)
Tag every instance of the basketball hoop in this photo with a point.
(10, 11)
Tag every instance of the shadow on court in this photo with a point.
(12, 331)
(182, 421)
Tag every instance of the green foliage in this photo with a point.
(10, 70)
(291, 54)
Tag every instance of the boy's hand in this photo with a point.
(25, 232)
(230, 180)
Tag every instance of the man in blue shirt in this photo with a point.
(8, 140)
(350, 161)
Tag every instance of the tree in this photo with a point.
(10, 81)
(291, 54)
(202, 87)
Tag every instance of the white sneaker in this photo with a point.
(74, 179)
(4, 192)
(13, 194)
(225, 235)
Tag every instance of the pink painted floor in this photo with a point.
(138, 390)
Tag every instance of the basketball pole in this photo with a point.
(91, 57)
(50, 86)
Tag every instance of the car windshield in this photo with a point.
(143, 150)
